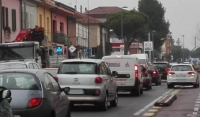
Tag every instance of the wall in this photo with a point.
(94, 37)
(14, 24)
(31, 14)
(44, 20)
(59, 19)
(72, 32)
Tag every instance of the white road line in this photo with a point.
(149, 105)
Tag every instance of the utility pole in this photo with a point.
(122, 35)
(183, 48)
(149, 38)
(88, 29)
(0, 21)
(25, 18)
(153, 43)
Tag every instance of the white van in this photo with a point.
(129, 73)
(143, 59)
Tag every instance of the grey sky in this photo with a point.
(183, 15)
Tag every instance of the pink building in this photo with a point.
(11, 16)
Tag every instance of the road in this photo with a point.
(128, 106)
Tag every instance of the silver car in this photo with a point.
(90, 82)
(35, 93)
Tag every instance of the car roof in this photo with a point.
(160, 62)
(33, 71)
(83, 60)
(181, 64)
(19, 62)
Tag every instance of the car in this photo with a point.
(90, 82)
(163, 68)
(147, 79)
(182, 74)
(52, 71)
(19, 65)
(35, 93)
(153, 71)
(5, 99)
(129, 76)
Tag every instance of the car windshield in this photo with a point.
(18, 81)
(13, 66)
(161, 65)
(78, 68)
(181, 68)
(52, 71)
(142, 61)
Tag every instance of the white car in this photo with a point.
(182, 74)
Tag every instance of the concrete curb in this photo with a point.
(166, 100)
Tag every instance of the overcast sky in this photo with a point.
(183, 15)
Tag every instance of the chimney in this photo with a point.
(75, 7)
(86, 10)
(81, 8)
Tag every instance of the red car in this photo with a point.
(153, 71)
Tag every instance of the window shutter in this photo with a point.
(14, 27)
(3, 17)
(7, 17)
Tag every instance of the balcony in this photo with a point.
(60, 38)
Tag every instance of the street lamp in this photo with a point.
(183, 47)
(122, 35)
(153, 42)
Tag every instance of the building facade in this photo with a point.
(11, 19)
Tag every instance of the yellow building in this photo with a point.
(44, 16)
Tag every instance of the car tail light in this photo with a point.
(34, 102)
(191, 73)
(167, 69)
(98, 80)
(136, 71)
(154, 73)
(171, 73)
(56, 78)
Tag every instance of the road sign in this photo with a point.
(148, 46)
(195, 61)
(72, 48)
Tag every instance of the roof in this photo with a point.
(19, 62)
(160, 62)
(105, 10)
(83, 60)
(84, 19)
(33, 71)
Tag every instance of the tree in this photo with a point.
(157, 22)
(196, 53)
(134, 25)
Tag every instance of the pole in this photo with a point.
(0, 21)
(122, 35)
(25, 18)
(88, 30)
(183, 49)
(149, 38)
(153, 44)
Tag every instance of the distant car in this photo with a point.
(5, 99)
(90, 82)
(163, 68)
(182, 74)
(35, 93)
(19, 65)
(147, 79)
(153, 71)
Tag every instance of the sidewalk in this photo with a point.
(187, 104)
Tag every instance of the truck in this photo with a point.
(29, 46)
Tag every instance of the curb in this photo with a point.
(166, 100)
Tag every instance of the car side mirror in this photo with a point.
(66, 89)
(6, 94)
(114, 73)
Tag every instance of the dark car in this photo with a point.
(147, 79)
(5, 99)
(35, 93)
(163, 68)
(153, 71)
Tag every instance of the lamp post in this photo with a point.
(153, 42)
(88, 30)
(122, 30)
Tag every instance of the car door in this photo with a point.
(62, 103)
(51, 92)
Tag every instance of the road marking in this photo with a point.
(153, 110)
(196, 109)
(175, 91)
(156, 107)
(197, 102)
(150, 104)
(149, 114)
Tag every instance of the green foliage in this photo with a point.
(134, 25)
(157, 22)
(195, 53)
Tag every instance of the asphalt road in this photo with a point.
(128, 106)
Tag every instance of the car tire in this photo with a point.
(150, 85)
(68, 113)
(104, 104)
(169, 86)
(137, 91)
(141, 90)
(157, 82)
(114, 102)
(147, 87)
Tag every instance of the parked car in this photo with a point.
(147, 79)
(19, 65)
(52, 71)
(90, 82)
(182, 74)
(35, 93)
(153, 71)
(163, 68)
(5, 99)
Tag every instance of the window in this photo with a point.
(56, 87)
(61, 27)
(35, 66)
(7, 17)
(19, 81)
(13, 66)
(52, 71)
(14, 24)
(48, 83)
(78, 68)
(31, 66)
(3, 17)
(181, 68)
(48, 24)
(54, 25)
(40, 20)
(102, 69)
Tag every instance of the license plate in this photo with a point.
(180, 75)
(76, 91)
(17, 116)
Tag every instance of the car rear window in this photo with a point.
(181, 68)
(18, 81)
(12, 66)
(78, 68)
(151, 68)
(52, 71)
(161, 65)
(142, 61)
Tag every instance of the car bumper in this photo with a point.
(183, 81)
(154, 79)
(146, 82)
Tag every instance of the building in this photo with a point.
(11, 19)
(167, 45)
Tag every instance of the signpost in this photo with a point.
(148, 46)
(72, 48)
(195, 61)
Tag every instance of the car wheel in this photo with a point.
(104, 104)
(114, 102)
(68, 113)
(141, 90)
(137, 92)
(150, 85)
(157, 82)
(147, 87)
(169, 86)
(198, 84)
